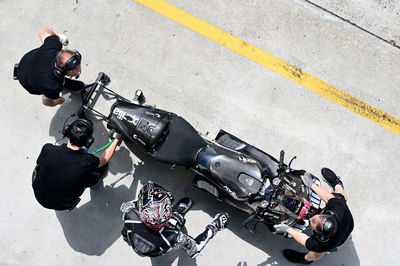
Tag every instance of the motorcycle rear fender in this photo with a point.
(140, 125)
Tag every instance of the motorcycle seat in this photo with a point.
(268, 163)
(181, 144)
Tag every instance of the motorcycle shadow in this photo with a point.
(179, 182)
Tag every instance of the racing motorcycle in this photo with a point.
(228, 168)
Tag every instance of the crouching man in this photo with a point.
(63, 172)
(331, 228)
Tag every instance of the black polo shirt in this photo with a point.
(345, 227)
(36, 69)
(62, 176)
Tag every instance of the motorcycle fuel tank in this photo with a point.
(240, 174)
(138, 124)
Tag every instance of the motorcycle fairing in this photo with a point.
(269, 164)
(141, 125)
(294, 183)
(237, 174)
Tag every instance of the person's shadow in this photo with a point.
(94, 226)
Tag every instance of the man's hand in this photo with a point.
(219, 223)
(63, 39)
(281, 228)
(307, 179)
(118, 136)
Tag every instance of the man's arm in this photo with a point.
(109, 152)
(193, 246)
(44, 33)
(298, 236)
(323, 193)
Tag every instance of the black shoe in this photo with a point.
(331, 177)
(295, 256)
(183, 205)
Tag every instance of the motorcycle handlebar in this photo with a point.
(281, 157)
(101, 78)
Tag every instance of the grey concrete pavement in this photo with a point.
(213, 88)
(377, 17)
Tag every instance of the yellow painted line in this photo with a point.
(273, 63)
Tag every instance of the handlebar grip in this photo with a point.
(281, 156)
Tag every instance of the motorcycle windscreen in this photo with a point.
(181, 144)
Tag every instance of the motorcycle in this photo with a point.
(228, 168)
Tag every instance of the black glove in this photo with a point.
(219, 223)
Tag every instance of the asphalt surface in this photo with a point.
(213, 88)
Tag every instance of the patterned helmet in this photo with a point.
(155, 205)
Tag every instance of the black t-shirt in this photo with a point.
(345, 227)
(62, 175)
(36, 69)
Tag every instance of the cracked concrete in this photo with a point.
(376, 17)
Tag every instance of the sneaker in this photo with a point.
(331, 178)
(183, 205)
(295, 256)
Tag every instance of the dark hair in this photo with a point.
(80, 132)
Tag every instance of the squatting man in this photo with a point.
(331, 228)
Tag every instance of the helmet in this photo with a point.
(154, 205)
(329, 225)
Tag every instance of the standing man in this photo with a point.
(331, 228)
(152, 226)
(63, 172)
(45, 70)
